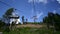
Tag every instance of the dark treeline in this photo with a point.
(52, 19)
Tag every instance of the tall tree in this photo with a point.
(6, 17)
(23, 19)
(52, 19)
(7, 14)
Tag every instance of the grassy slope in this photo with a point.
(28, 30)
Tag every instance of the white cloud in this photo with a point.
(54, 11)
(58, 1)
(38, 1)
(52, 0)
(43, 1)
(39, 14)
(32, 11)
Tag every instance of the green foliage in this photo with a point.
(6, 29)
(1, 25)
(34, 23)
(27, 30)
(5, 19)
(8, 13)
(52, 19)
(22, 18)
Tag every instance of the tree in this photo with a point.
(7, 14)
(6, 18)
(1, 23)
(26, 21)
(23, 19)
(52, 19)
(57, 21)
(46, 20)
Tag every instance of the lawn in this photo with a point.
(28, 30)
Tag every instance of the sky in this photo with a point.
(25, 8)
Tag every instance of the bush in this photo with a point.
(57, 26)
(1, 25)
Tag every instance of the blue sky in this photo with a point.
(25, 8)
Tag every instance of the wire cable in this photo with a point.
(9, 5)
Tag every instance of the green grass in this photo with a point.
(27, 30)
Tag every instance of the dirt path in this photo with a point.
(30, 25)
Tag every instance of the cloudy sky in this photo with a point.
(25, 8)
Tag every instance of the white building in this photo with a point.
(14, 18)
